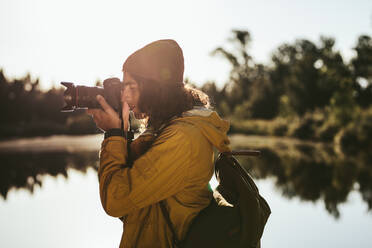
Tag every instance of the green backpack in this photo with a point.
(237, 215)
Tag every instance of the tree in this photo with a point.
(237, 89)
(362, 70)
(309, 75)
(249, 92)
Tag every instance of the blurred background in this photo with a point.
(294, 78)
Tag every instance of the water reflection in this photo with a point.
(25, 169)
(310, 171)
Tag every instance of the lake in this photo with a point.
(49, 193)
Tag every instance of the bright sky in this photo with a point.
(82, 41)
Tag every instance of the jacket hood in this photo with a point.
(211, 125)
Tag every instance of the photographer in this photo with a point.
(173, 158)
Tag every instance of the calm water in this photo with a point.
(49, 194)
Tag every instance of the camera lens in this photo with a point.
(86, 96)
(82, 97)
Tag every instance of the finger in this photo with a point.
(97, 117)
(106, 107)
(125, 113)
(100, 114)
(122, 96)
(89, 111)
(93, 111)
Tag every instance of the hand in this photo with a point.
(107, 118)
(125, 114)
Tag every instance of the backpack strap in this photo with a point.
(163, 208)
(242, 152)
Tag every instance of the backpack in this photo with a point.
(237, 214)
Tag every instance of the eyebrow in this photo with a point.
(129, 83)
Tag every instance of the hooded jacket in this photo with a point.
(176, 169)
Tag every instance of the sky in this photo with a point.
(85, 41)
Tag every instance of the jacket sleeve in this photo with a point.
(156, 175)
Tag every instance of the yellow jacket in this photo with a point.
(177, 168)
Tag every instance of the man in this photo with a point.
(174, 166)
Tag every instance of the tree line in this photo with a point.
(306, 90)
(26, 110)
(300, 77)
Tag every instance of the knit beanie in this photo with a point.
(160, 61)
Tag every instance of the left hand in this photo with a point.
(107, 118)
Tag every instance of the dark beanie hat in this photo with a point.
(161, 61)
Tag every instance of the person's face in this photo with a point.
(131, 93)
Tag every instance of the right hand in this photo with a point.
(107, 118)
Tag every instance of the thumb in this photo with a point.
(106, 107)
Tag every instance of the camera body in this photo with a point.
(83, 97)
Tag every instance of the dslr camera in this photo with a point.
(83, 97)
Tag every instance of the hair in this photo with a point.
(161, 101)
